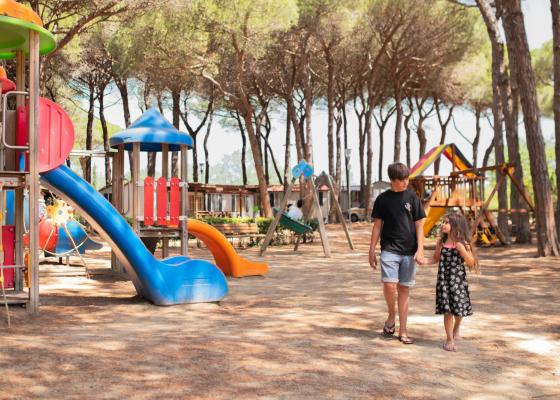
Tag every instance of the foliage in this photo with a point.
(262, 222)
(228, 170)
(544, 74)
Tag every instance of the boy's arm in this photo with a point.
(419, 256)
(466, 254)
(375, 233)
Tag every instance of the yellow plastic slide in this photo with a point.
(224, 254)
(432, 218)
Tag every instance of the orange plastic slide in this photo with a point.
(224, 254)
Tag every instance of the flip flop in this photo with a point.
(449, 347)
(406, 340)
(388, 330)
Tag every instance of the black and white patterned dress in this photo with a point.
(452, 288)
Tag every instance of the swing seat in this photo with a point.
(297, 227)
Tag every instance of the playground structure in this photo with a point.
(44, 136)
(304, 170)
(464, 189)
(166, 217)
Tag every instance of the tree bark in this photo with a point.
(476, 139)
(555, 8)
(207, 163)
(398, 123)
(89, 132)
(176, 112)
(498, 70)
(330, 108)
(193, 131)
(544, 211)
(105, 132)
(122, 85)
(287, 150)
(243, 147)
(443, 123)
(510, 99)
(408, 132)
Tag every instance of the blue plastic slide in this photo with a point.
(174, 280)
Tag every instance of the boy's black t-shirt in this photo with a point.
(399, 211)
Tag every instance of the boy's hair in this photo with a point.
(461, 233)
(398, 171)
(300, 203)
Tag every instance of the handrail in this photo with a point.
(4, 110)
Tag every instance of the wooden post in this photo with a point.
(18, 196)
(339, 211)
(34, 191)
(135, 181)
(117, 197)
(184, 202)
(322, 230)
(483, 209)
(521, 189)
(165, 174)
(20, 77)
(274, 224)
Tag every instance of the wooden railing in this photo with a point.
(450, 191)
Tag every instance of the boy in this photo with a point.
(398, 216)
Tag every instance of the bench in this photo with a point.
(241, 231)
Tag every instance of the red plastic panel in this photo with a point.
(174, 201)
(148, 201)
(162, 201)
(56, 135)
(8, 241)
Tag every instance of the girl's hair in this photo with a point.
(460, 232)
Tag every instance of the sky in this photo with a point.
(224, 141)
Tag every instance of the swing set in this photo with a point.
(304, 170)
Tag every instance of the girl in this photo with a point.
(453, 251)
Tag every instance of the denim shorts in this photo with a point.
(397, 268)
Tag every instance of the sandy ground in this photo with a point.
(311, 329)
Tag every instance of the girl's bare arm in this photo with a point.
(467, 255)
(437, 253)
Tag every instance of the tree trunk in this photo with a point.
(268, 128)
(555, 8)
(361, 146)
(243, 147)
(407, 130)
(476, 139)
(176, 100)
(330, 110)
(287, 150)
(443, 123)
(368, 204)
(398, 123)
(308, 140)
(498, 69)
(122, 85)
(544, 211)
(207, 163)
(89, 132)
(488, 153)
(511, 114)
(105, 132)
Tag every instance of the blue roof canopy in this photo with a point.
(151, 130)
